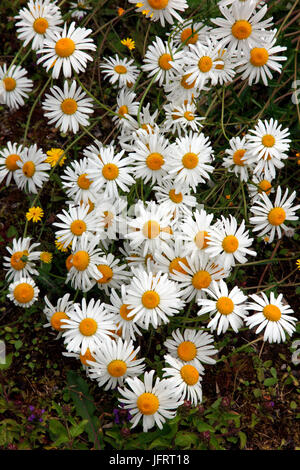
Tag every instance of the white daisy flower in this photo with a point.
(225, 68)
(88, 326)
(229, 243)
(189, 32)
(259, 185)
(191, 157)
(270, 218)
(36, 21)
(114, 363)
(147, 122)
(242, 26)
(113, 274)
(112, 213)
(167, 260)
(192, 347)
(194, 231)
(152, 299)
(162, 10)
(14, 86)
(9, 156)
(21, 262)
(272, 315)
(201, 61)
(267, 144)
(94, 150)
(32, 169)
(119, 70)
(179, 90)
(228, 308)
(176, 199)
(180, 117)
(65, 50)
(23, 292)
(196, 275)
(126, 109)
(110, 172)
(185, 377)
(56, 314)
(76, 184)
(154, 403)
(68, 108)
(74, 223)
(162, 59)
(137, 258)
(237, 160)
(80, 9)
(222, 3)
(257, 63)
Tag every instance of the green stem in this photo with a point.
(32, 109)
(14, 59)
(144, 96)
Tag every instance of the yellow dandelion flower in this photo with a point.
(35, 214)
(54, 156)
(128, 43)
(298, 264)
(46, 257)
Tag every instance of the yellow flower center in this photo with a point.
(28, 169)
(190, 160)
(83, 182)
(189, 374)
(189, 116)
(16, 261)
(268, 140)
(201, 239)
(155, 161)
(87, 356)
(120, 69)
(106, 272)
(177, 198)
(259, 56)
(276, 216)
(220, 66)
(175, 266)
(238, 156)
(78, 227)
(150, 299)
(225, 305)
(187, 351)
(147, 403)
(110, 171)
(56, 320)
(201, 279)
(188, 33)
(64, 47)
(81, 260)
(88, 327)
(69, 106)
(40, 25)
(230, 244)
(123, 110)
(117, 368)
(11, 162)
(164, 62)
(158, 4)
(24, 293)
(265, 186)
(184, 84)
(272, 312)
(241, 29)
(124, 312)
(205, 64)
(9, 83)
(151, 229)
(69, 262)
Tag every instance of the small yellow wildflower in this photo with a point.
(60, 246)
(54, 155)
(298, 263)
(121, 11)
(46, 257)
(227, 196)
(128, 43)
(35, 214)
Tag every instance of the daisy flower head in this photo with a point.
(228, 308)
(241, 26)
(89, 326)
(269, 219)
(83, 272)
(154, 403)
(113, 273)
(181, 117)
(258, 185)
(259, 61)
(125, 325)
(272, 316)
(189, 32)
(267, 144)
(225, 68)
(194, 231)
(80, 9)
(201, 61)
(76, 183)
(236, 161)
(126, 109)
(14, 86)
(162, 59)
(192, 156)
(147, 122)
(152, 298)
(136, 257)
(119, 70)
(151, 227)
(185, 377)
(23, 292)
(32, 169)
(114, 363)
(175, 199)
(37, 20)
(56, 156)
(56, 314)
(161, 10)
(65, 50)
(68, 108)
(21, 260)
(110, 172)
(170, 259)
(192, 347)
(179, 90)
(229, 243)
(9, 156)
(35, 214)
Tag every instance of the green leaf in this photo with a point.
(243, 439)
(202, 427)
(270, 381)
(186, 439)
(293, 405)
(58, 432)
(11, 232)
(8, 361)
(260, 374)
(78, 428)
(18, 344)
